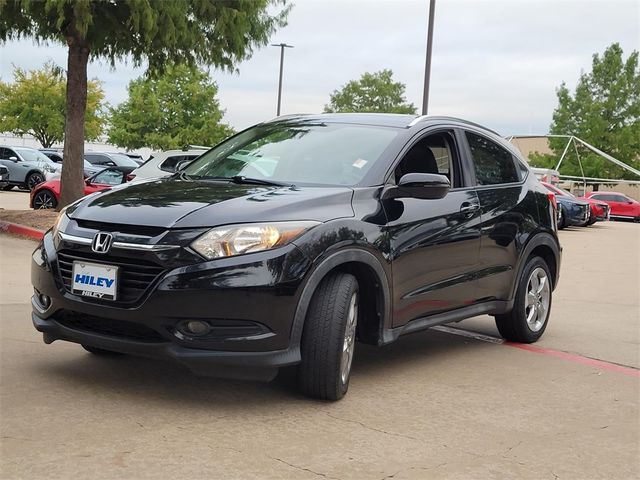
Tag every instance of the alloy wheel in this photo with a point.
(33, 180)
(538, 299)
(349, 339)
(43, 200)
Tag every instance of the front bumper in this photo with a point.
(250, 302)
(239, 365)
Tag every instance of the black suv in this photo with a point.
(292, 239)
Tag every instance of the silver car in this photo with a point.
(27, 166)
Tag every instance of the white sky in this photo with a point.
(494, 62)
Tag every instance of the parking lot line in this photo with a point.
(571, 357)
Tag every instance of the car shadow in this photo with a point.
(164, 381)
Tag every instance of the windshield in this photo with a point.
(297, 153)
(30, 155)
(122, 160)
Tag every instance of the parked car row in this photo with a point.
(592, 207)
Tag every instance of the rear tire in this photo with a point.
(328, 338)
(100, 351)
(529, 318)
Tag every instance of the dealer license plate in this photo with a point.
(95, 280)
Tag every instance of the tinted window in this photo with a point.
(431, 154)
(31, 155)
(4, 153)
(298, 153)
(108, 177)
(605, 197)
(494, 164)
(96, 158)
(170, 164)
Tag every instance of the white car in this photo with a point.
(163, 164)
(27, 167)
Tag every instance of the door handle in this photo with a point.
(468, 208)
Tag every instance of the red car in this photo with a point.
(599, 209)
(47, 194)
(621, 205)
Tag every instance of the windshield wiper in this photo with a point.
(241, 179)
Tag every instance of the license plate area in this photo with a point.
(94, 280)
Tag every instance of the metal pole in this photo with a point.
(427, 65)
(282, 47)
(563, 154)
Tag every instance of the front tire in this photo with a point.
(34, 179)
(528, 319)
(561, 218)
(328, 338)
(44, 199)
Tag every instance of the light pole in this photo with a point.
(427, 63)
(282, 47)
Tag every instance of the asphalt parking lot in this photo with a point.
(14, 199)
(436, 404)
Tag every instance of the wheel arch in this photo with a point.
(543, 245)
(375, 293)
(40, 190)
(31, 172)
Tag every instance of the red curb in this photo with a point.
(18, 229)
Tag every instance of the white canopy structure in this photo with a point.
(575, 141)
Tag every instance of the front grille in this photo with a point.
(135, 275)
(122, 228)
(109, 327)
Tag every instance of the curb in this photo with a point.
(32, 233)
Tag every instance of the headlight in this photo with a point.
(48, 168)
(248, 238)
(60, 223)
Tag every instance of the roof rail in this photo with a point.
(283, 117)
(417, 120)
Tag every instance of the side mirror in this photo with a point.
(87, 181)
(13, 159)
(426, 186)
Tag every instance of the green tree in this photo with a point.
(604, 111)
(169, 111)
(159, 32)
(373, 92)
(34, 104)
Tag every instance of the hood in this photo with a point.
(175, 203)
(570, 200)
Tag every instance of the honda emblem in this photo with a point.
(101, 242)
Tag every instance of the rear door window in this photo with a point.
(494, 165)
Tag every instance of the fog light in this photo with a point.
(44, 300)
(195, 327)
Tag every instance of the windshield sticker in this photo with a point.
(359, 163)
